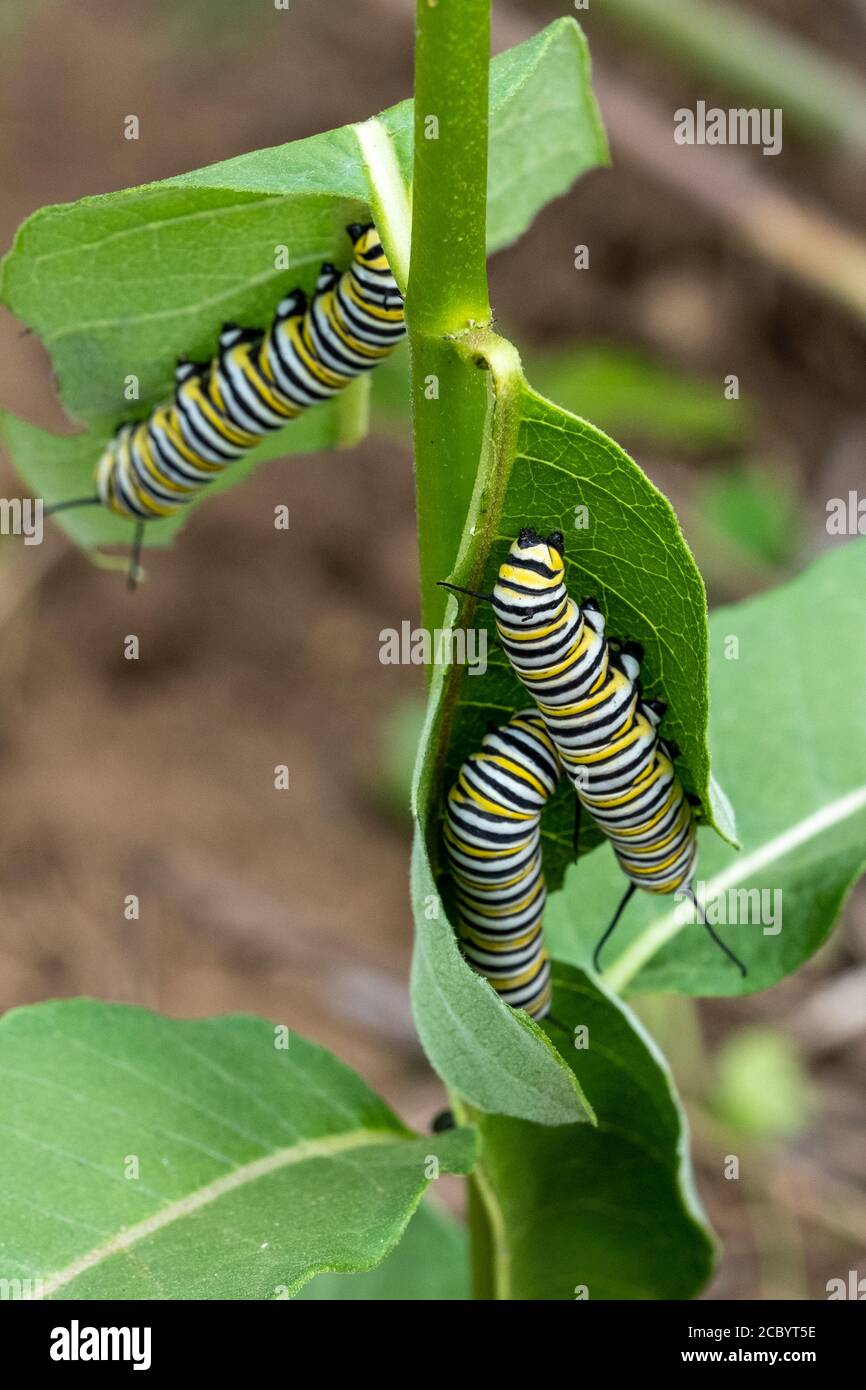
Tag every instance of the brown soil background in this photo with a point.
(260, 647)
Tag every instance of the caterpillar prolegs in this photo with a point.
(588, 695)
(257, 383)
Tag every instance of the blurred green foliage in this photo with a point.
(626, 392)
(399, 737)
(622, 391)
(754, 511)
(737, 48)
(761, 1088)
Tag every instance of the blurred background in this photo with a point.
(260, 647)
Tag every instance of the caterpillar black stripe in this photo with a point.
(606, 735)
(492, 838)
(257, 383)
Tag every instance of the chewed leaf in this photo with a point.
(430, 1263)
(119, 286)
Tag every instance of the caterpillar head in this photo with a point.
(546, 551)
(530, 590)
(366, 245)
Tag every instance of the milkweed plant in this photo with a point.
(229, 1157)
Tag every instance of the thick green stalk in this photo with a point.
(448, 275)
(447, 290)
(447, 298)
(488, 1248)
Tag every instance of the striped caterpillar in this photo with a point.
(257, 383)
(492, 840)
(606, 735)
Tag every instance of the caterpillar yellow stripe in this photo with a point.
(588, 695)
(605, 734)
(492, 839)
(257, 383)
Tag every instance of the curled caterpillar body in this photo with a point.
(257, 383)
(605, 734)
(492, 838)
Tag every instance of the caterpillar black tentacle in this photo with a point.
(723, 946)
(605, 733)
(608, 931)
(133, 574)
(72, 502)
(458, 589)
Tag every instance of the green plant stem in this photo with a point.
(447, 289)
(481, 1255)
(448, 274)
(488, 1247)
(480, 355)
(447, 298)
(478, 359)
(449, 440)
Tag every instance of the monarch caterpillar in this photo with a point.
(493, 843)
(257, 383)
(606, 735)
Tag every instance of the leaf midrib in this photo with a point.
(663, 929)
(130, 1236)
(144, 228)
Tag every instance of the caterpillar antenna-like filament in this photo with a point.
(625, 900)
(135, 557)
(73, 502)
(723, 946)
(473, 593)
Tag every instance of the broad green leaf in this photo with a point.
(497, 1058)
(126, 283)
(545, 127)
(123, 284)
(541, 464)
(627, 551)
(604, 1212)
(430, 1263)
(751, 515)
(148, 1158)
(787, 671)
(390, 403)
